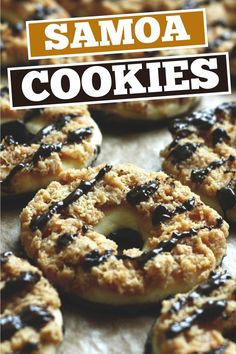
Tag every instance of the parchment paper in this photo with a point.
(92, 333)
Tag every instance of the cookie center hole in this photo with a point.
(231, 335)
(126, 238)
(125, 226)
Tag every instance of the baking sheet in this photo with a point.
(87, 332)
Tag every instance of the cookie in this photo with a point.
(201, 321)
(42, 143)
(8, 114)
(150, 110)
(21, 11)
(121, 236)
(203, 156)
(31, 320)
(109, 7)
(221, 38)
(13, 44)
(214, 8)
(13, 32)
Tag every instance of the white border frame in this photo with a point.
(226, 54)
(30, 57)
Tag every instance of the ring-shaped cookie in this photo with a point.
(201, 321)
(43, 143)
(122, 236)
(31, 321)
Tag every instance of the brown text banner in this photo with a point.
(117, 33)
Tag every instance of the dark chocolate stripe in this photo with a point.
(65, 239)
(183, 152)
(141, 193)
(39, 221)
(163, 246)
(32, 315)
(22, 282)
(198, 176)
(44, 151)
(94, 258)
(215, 281)
(79, 134)
(8, 140)
(210, 311)
(204, 119)
(219, 135)
(58, 125)
(226, 108)
(162, 214)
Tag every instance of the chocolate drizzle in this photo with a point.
(198, 176)
(226, 108)
(32, 315)
(65, 239)
(163, 246)
(78, 135)
(183, 152)
(141, 193)
(94, 259)
(219, 135)
(44, 151)
(19, 283)
(8, 140)
(39, 221)
(215, 281)
(201, 119)
(162, 214)
(58, 125)
(211, 310)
